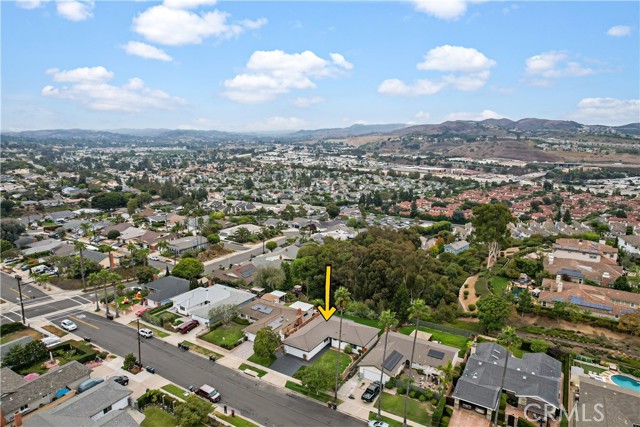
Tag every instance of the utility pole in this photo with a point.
(19, 279)
(139, 352)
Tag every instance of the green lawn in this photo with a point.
(457, 341)
(174, 316)
(262, 362)
(201, 350)
(174, 389)
(374, 323)
(328, 358)
(321, 395)
(588, 368)
(468, 326)
(482, 286)
(156, 332)
(237, 421)
(225, 334)
(416, 411)
(260, 372)
(498, 284)
(390, 421)
(156, 417)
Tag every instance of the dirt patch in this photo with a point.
(55, 330)
(213, 252)
(471, 298)
(19, 334)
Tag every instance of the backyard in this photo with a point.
(419, 412)
(498, 284)
(328, 359)
(225, 335)
(156, 417)
(452, 340)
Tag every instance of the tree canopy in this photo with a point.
(493, 312)
(266, 342)
(188, 268)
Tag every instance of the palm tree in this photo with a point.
(85, 229)
(95, 280)
(80, 247)
(447, 371)
(115, 277)
(418, 310)
(341, 297)
(132, 250)
(388, 322)
(509, 338)
(162, 245)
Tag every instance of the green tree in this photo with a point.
(401, 302)
(490, 223)
(5, 245)
(333, 210)
(630, 322)
(109, 201)
(388, 322)
(266, 343)
(270, 278)
(193, 412)
(224, 313)
(213, 238)
(80, 247)
(341, 300)
(316, 377)
(622, 284)
(10, 229)
(509, 338)
(129, 362)
(188, 268)
(145, 274)
(113, 234)
(242, 235)
(525, 301)
(566, 217)
(417, 311)
(539, 346)
(272, 245)
(493, 312)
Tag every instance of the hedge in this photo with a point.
(148, 316)
(9, 328)
(522, 422)
(436, 418)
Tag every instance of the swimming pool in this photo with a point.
(626, 382)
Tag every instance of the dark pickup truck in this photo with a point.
(371, 392)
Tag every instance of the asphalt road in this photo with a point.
(9, 291)
(264, 403)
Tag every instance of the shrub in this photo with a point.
(401, 391)
(241, 321)
(466, 286)
(103, 355)
(466, 293)
(422, 398)
(348, 349)
(434, 402)
(412, 394)
(472, 307)
(445, 421)
(9, 328)
(390, 384)
(437, 413)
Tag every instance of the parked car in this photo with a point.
(91, 382)
(121, 379)
(147, 333)
(209, 393)
(68, 325)
(187, 326)
(371, 392)
(374, 423)
(154, 258)
(50, 341)
(25, 267)
(140, 312)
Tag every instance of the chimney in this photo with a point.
(551, 258)
(17, 419)
(112, 262)
(559, 285)
(558, 278)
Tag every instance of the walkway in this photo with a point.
(472, 298)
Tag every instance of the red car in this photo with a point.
(139, 313)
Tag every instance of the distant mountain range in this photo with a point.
(464, 128)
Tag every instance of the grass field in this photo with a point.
(201, 350)
(457, 341)
(588, 368)
(260, 361)
(390, 421)
(225, 334)
(18, 334)
(174, 389)
(321, 395)
(156, 332)
(260, 372)
(468, 326)
(374, 323)
(156, 417)
(328, 358)
(482, 287)
(237, 421)
(498, 284)
(416, 411)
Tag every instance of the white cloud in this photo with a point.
(172, 24)
(279, 123)
(619, 31)
(455, 58)
(74, 10)
(339, 60)
(467, 70)
(483, 115)
(146, 51)
(422, 116)
(29, 4)
(443, 9)
(307, 102)
(419, 87)
(550, 65)
(607, 111)
(89, 87)
(274, 72)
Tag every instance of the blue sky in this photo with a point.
(288, 65)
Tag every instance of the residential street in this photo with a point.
(264, 403)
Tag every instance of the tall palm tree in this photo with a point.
(509, 338)
(341, 297)
(447, 374)
(85, 229)
(388, 322)
(115, 277)
(132, 250)
(417, 311)
(95, 281)
(80, 247)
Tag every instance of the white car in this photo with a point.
(147, 333)
(154, 258)
(374, 423)
(68, 325)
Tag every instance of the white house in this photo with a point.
(229, 232)
(630, 244)
(198, 302)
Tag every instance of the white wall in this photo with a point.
(372, 373)
(628, 248)
(120, 404)
(251, 337)
(300, 353)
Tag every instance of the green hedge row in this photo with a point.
(9, 328)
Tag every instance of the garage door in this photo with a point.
(370, 374)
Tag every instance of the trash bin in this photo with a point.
(87, 339)
(212, 358)
(110, 316)
(334, 406)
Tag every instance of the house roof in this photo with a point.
(93, 400)
(302, 306)
(117, 418)
(309, 336)
(535, 375)
(95, 256)
(618, 406)
(187, 242)
(266, 314)
(589, 270)
(48, 383)
(166, 287)
(200, 300)
(9, 380)
(633, 240)
(461, 244)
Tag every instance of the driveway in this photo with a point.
(288, 365)
(244, 350)
(465, 418)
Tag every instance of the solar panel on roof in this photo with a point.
(579, 301)
(265, 310)
(436, 354)
(392, 360)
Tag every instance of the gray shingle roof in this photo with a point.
(309, 336)
(94, 400)
(166, 287)
(619, 406)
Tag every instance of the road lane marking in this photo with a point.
(15, 290)
(86, 323)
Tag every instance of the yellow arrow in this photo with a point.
(326, 311)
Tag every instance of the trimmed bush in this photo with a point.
(390, 384)
(445, 422)
(472, 307)
(422, 398)
(401, 391)
(436, 418)
(9, 328)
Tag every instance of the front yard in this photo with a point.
(328, 359)
(263, 362)
(419, 412)
(225, 335)
(156, 417)
(19, 334)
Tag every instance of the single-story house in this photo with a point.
(43, 246)
(245, 272)
(603, 404)
(103, 259)
(103, 405)
(274, 297)
(229, 232)
(399, 346)
(184, 244)
(263, 314)
(163, 289)
(312, 337)
(198, 302)
(457, 247)
(277, 257)
(535, 381)
(29, 395)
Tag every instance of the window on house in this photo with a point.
(107, 409)
(24, 408)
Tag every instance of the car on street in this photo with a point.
(374, 423)
(147, 333)
(121, 379)
(140, 312)
(371, 392)
(154, 258)
(68, 325)
(209, 393)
